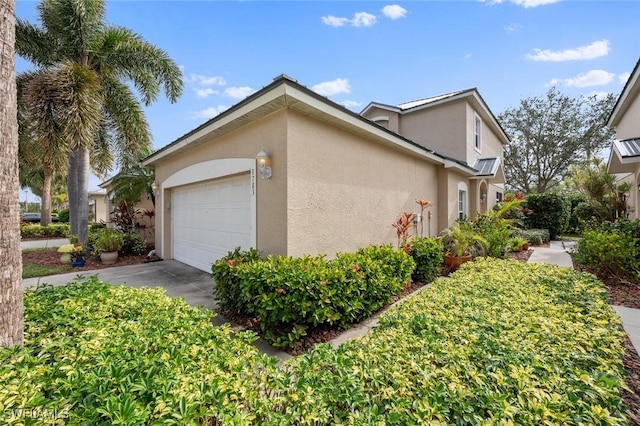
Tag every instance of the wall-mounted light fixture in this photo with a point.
(483, 197)
(264, 164)
(155, 188)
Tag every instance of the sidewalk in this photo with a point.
(34, 244)
(557, 254)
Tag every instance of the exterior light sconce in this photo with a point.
(155, 188)
(264, 164)
(483, 197)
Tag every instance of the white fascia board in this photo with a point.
(381, 106)
(624, 98)
(267, 97)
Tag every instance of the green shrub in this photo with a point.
(536, 237)
(227, 288)
(132, 244)
(427, 253)
(54, 230)
(609, 252)
(548, 211)
(289, 294)
(501, 342)
(576, 219)
(107, 240)
(97, 354)
(63, 216)
(496, 233)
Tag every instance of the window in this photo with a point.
(498, 197)
(462, 204)
(478, 133)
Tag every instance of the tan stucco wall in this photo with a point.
(392, 124)
(629, 124)
(268, 133)
(100, 206)
(440, 128)
(345, 191)
(490, 145)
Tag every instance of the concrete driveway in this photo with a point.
(178, 279)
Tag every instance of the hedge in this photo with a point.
(289, 294)
(428, 255)
(54, 230)
(548, 211)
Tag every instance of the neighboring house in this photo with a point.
(145, 223)
(337, 180)
(98, 211)
(624, 158)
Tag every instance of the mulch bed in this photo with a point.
(51, 257)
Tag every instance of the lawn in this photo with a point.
(32, 265)
(499, 342)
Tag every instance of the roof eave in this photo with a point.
(623, 99)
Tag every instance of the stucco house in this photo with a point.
(290, 172)
(624, 158)
(98, 206)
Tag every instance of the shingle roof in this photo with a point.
(628, 148)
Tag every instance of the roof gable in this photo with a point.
(629, 92)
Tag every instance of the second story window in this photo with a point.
(478, 133)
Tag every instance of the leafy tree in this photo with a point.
(11, 322)
(97, 65)
(548, 134)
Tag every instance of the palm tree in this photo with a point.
(11, 322)
(76, 45)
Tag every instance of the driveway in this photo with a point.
(178, 279)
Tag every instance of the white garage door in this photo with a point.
(211, 218)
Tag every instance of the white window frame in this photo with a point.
(477, 133)
(463, 201)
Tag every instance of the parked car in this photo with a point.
(35, 218)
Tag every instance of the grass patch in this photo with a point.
(33, 270)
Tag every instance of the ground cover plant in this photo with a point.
(536, 345)
(102, 354)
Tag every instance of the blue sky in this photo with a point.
(355, 52)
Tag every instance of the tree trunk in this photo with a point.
(45, 204)
(82, 196)
(72, 191)
(11, 326)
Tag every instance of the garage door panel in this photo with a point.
(211, 218)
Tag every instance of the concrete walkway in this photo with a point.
(34, 244)
(557, 254)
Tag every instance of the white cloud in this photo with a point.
(209, 112)
(239, 92)
(206, 80)
(360, 19)
(592, 51)
(206, 92)
(334, 21)
(511, 28)
(350, 104)
(524, 3)
(363, 19)
(334, 87)
(394, 11)
(588, 79)
(468, 56)
(624, 77)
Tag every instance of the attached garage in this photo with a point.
(211, 210)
